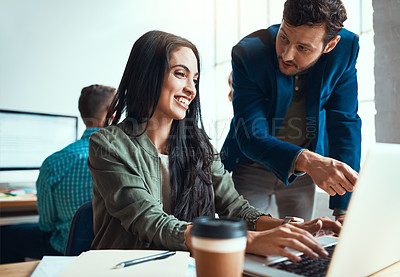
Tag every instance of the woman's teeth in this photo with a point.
(183, 100)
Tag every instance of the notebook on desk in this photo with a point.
(101, 263)
(369, 240)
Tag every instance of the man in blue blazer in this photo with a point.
(295, 111)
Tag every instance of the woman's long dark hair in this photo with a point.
(190, 152)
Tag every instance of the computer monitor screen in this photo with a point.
(26, 138)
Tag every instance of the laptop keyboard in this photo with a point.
(307, 267)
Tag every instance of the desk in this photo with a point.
(25, 270)
(18, 209)
(18, 269)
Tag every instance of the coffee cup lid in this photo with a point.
(225, 228)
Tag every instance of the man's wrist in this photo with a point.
(292, 169)
(302, 160)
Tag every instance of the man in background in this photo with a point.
(295, 111)
(63, 185)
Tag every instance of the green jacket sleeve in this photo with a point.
(123, 180)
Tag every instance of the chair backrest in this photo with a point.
(80, 234)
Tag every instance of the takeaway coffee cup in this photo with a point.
(218, 246)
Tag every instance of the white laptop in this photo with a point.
(370, 237)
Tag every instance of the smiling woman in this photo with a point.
(179, 87)
(159, 91)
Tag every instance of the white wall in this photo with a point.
(360, 21)
(50, 49)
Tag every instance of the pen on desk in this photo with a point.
(145, 259)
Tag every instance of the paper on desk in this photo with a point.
(51, 266)
(98, 263)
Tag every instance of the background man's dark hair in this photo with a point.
(332, 13)
(94, 102)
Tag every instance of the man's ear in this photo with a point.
(331, 45)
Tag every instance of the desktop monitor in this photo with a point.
(27, 138)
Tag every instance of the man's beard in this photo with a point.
(299, 70)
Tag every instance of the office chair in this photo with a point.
(80, 234)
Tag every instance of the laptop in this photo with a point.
(370, 239)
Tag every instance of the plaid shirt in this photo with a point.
(63, 185)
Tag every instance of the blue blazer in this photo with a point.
(262, 95)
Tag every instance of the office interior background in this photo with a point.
(50, 50)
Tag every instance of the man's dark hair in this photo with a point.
(94, 102)
(332, 13)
